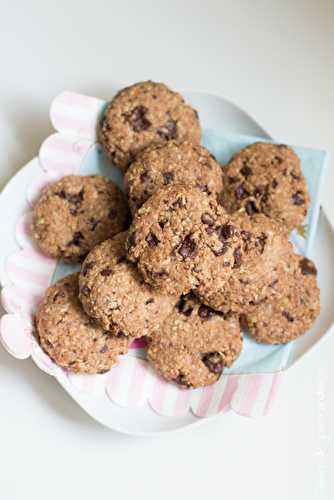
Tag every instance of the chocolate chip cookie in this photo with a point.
(76, 213)
(145, 113)
(195, 344)
(70, 337)
(181, 237)
(264, 245)
(293, 310)
(171, 163)
(114, 294)
(267, 178)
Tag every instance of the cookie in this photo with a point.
(195, 344)
(292, 311)
(70, 337)
(114, 294)
(171, 163)
(76, 213)
(145, 113)
(266, 178)
(265, 245)
(181, 237)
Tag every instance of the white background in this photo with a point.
(275, 58)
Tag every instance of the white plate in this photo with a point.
(215, 112)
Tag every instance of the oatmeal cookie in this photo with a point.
(70, 337)
(145, 113)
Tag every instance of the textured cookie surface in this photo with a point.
(171, 163)
(267, 178)
(145, 113)
(113, 292)
(293, 310)
(70, 337)
(76, 213)
(264, 246)
(195, 344)
(181, 237)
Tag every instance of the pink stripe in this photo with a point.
(205, 400)
(29, 298)
(272, 393)
(57, 166)
(138, 343)
(138, 378)
(254, 383)
(182, 401)
(229, 390)
(75, 125)
(158, 393)
(18, 273)
(57, 143)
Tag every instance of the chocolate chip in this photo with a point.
(184, 307)
(94, 223)
(181, 380)
(298, 198)
(168, 177)
(203, 187)
(87, 267)
(58, 294)
(307, 267)
(76, 240)
(106, 272)
(144, 177)
(137, 118)
(162, 223)
(226, 231)
(214, 362)
(152, 240)
(207, 219)
(251, 208)
(188, 247)
(260, 242)
(120, 259)
(120, 334)
(233, 180)
(149, 301)
(274, 183)
(210, 229)
(246, 235)
(212, 156)
(277, 160)
(169, 131)
(246, 171)
(85, 290)
(240, 192)
(237, 258)
(104, 349)
(75, 198)
(288, 316)
(294, 176)
(112, 213)
(205, 312)
(258, 191)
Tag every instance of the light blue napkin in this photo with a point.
(255, 358)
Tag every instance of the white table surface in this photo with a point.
(275, 59)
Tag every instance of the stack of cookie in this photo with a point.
(204, 253)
